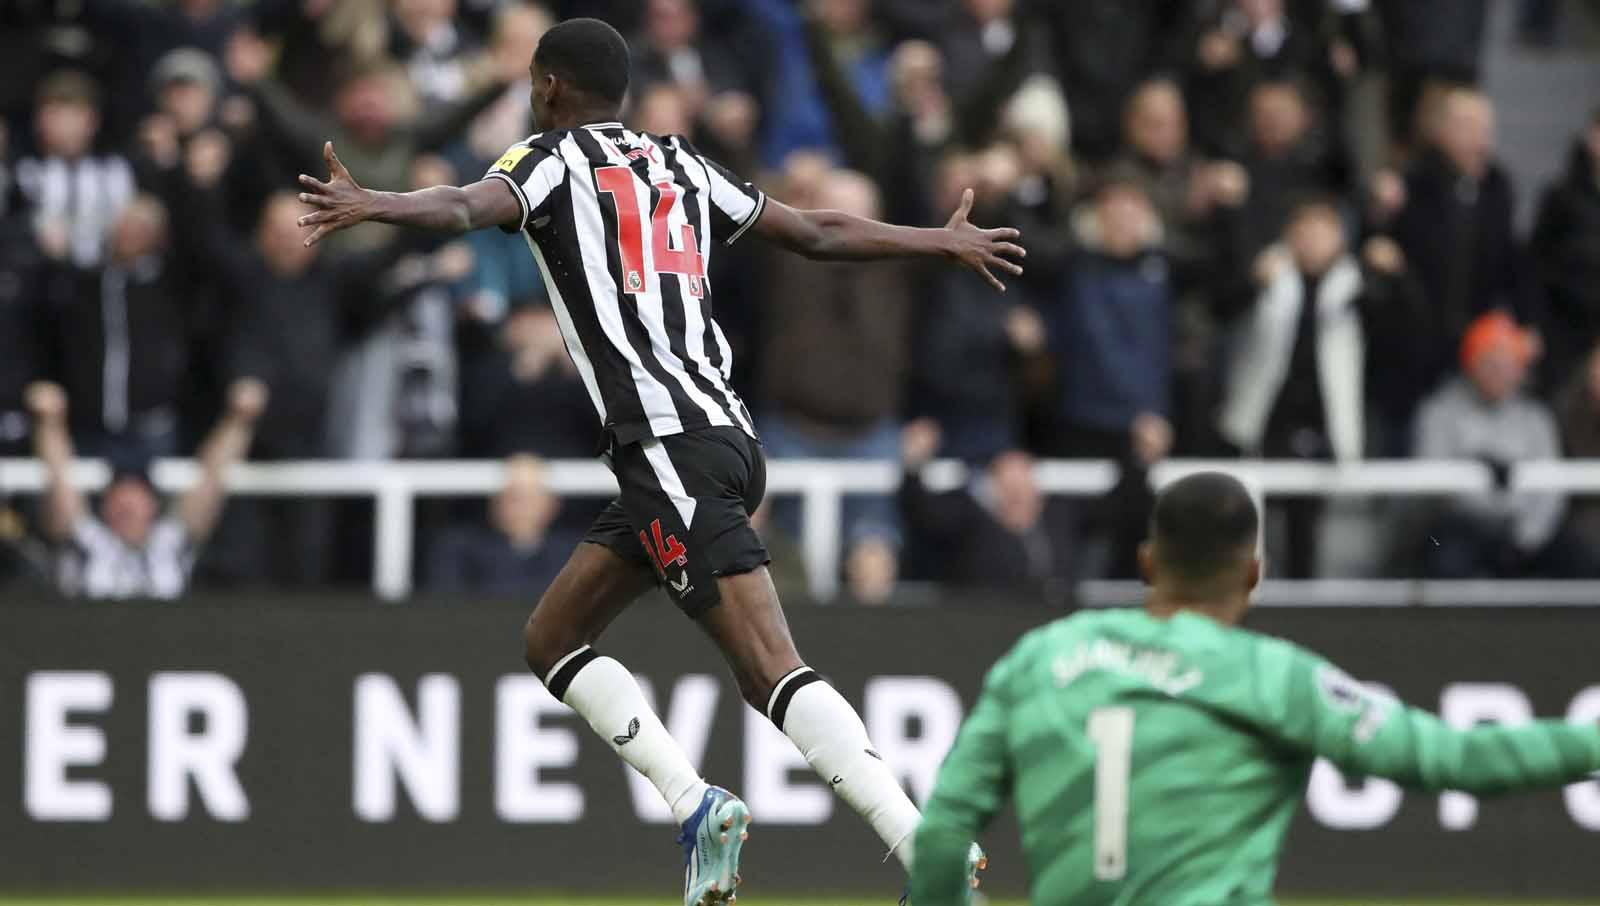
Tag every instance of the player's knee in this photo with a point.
(544, 645)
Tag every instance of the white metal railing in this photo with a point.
(820, 485)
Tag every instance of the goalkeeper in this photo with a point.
(1156, 756)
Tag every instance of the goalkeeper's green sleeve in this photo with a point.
(1318, 707)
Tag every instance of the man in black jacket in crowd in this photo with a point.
(1566, 248)
(120, 344)
(1452, 214)
(22, 331)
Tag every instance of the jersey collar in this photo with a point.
(611, 125)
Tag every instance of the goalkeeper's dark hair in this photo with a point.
(587, 54)
(1203, 524)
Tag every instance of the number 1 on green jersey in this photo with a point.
(1111, 731)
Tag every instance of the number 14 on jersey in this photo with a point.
(618, 182)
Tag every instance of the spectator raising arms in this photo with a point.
(127, 548)
(369, 123)
(1295, 387)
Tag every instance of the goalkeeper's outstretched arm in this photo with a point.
(1367, 733)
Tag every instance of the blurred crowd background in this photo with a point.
(1277, 228)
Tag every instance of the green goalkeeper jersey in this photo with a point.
(1159, 761)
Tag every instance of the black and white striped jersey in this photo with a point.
(83, 197)
(621, 225)
(99, 564)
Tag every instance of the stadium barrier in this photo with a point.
(318, 744)
(821, 486)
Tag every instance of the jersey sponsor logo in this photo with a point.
(511, 158)
(648, 153)
(632, 734)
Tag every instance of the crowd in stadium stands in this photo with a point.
(1255, 227)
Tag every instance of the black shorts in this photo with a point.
(684, 511)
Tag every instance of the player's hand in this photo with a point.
(982, 249)
(46, 400)
(341, 201)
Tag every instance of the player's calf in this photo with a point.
(831, 736)
(749, 627)
(593, 587)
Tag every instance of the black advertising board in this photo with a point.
(322, 744)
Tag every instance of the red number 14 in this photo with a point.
(618, 182)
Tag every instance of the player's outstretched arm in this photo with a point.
(341, 202)
(835, 235)
(1368, 733)
(1423, 752)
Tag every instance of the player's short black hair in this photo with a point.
(1201, 523)
(588, 54)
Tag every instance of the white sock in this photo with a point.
(606, 695)
(833, 740)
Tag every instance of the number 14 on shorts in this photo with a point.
(664, 552)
